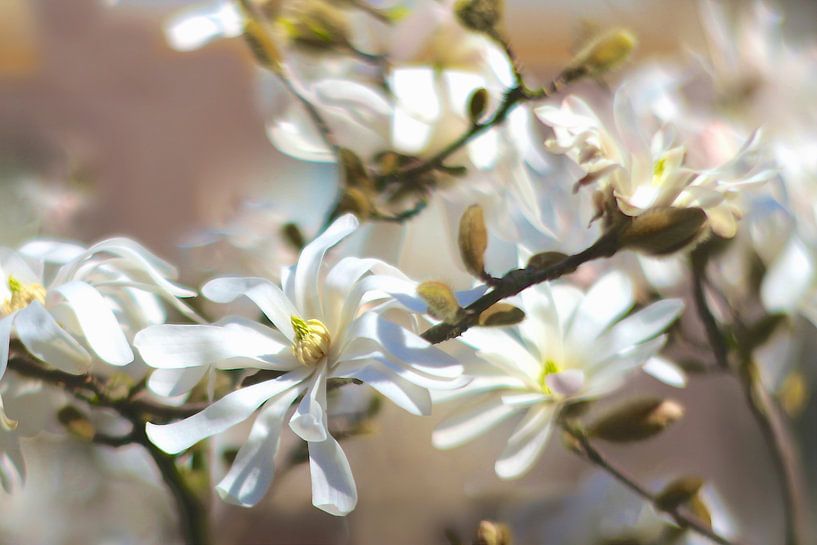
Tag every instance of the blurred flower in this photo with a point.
(644, 173)
(571, 345)
(94, 294)
(327, 326)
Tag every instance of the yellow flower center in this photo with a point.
(550, 367)
(22, 295)
(312, 340)
(658, 168)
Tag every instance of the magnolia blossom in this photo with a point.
(571, 345)
(83, 311)
(328, 324)
(643, 172)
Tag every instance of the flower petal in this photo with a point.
(221, 415)
(306, 285)
(400, 391)
(97, 321)
(175, 382)
(333, 485)
(471, 421)
(567, 383)
(526, 443)
(252, 471)
(608, 299)
(309, 421)
(644, 324)
(174, 346)
(5, 338)
(266, 295)
(46, 340)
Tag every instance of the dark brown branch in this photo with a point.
(519, 279)
(587, 451)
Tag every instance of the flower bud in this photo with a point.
(473, 240)
(602, 54)
(637, 420)
(661, 231)
(355, 201)
(315, 24)
(259, 39)
(477, 104)
(544, 260)
(441, 302)
(354, 171)
(493, 533)
(480, 15)
(501, 314)
(677, 493)
(76, 422)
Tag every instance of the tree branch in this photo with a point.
(519, 279)
(587, 451)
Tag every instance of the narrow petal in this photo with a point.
(225, 413)
(173, 346)
(333, 485)
(642, 325)
(307, 287)
(471, 421)
(666, 371)
(46, 340)
(401, 392)
(608, 299)
(266, 295)
(175, 382)
(309, 421)
(5, 338)
(252, 471)
(567, 383)
(98, 322)
(789, 278)
(525, 444)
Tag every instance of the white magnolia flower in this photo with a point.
(571, 345)
(644, 171)
(84, 311)
(328, 325)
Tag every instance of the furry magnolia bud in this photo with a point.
(316, 25)
(473, 240)
(480, 15)
(604, 53)
(493, 533)
(678, 493)
(500, 314)
(662, 231)
(637, 420)
(477, 104)
(442, 304)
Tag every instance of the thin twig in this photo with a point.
(587, 451)
(519, 279)
(758, 400)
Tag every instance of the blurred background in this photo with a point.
(118, 134)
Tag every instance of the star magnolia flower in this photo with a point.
(645, 174)
(570, 346)
(327, 326)
(94, 295)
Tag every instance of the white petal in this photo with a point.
(608, 374)
(608, 299)
(333, 486)
(309, 421)
(307, 287)
(525, 444)
(499, 348)
(173, 346)
(470, 422)
(567, 383)
(789, 278)
(175, 382)
(403, 345)
(225, 413)
(266, 295)
(667, 372)
(196, 27)
(45, 339)
(401, 392)
(643, 325)
(5, 338)
(98, 323)
(252, 471)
